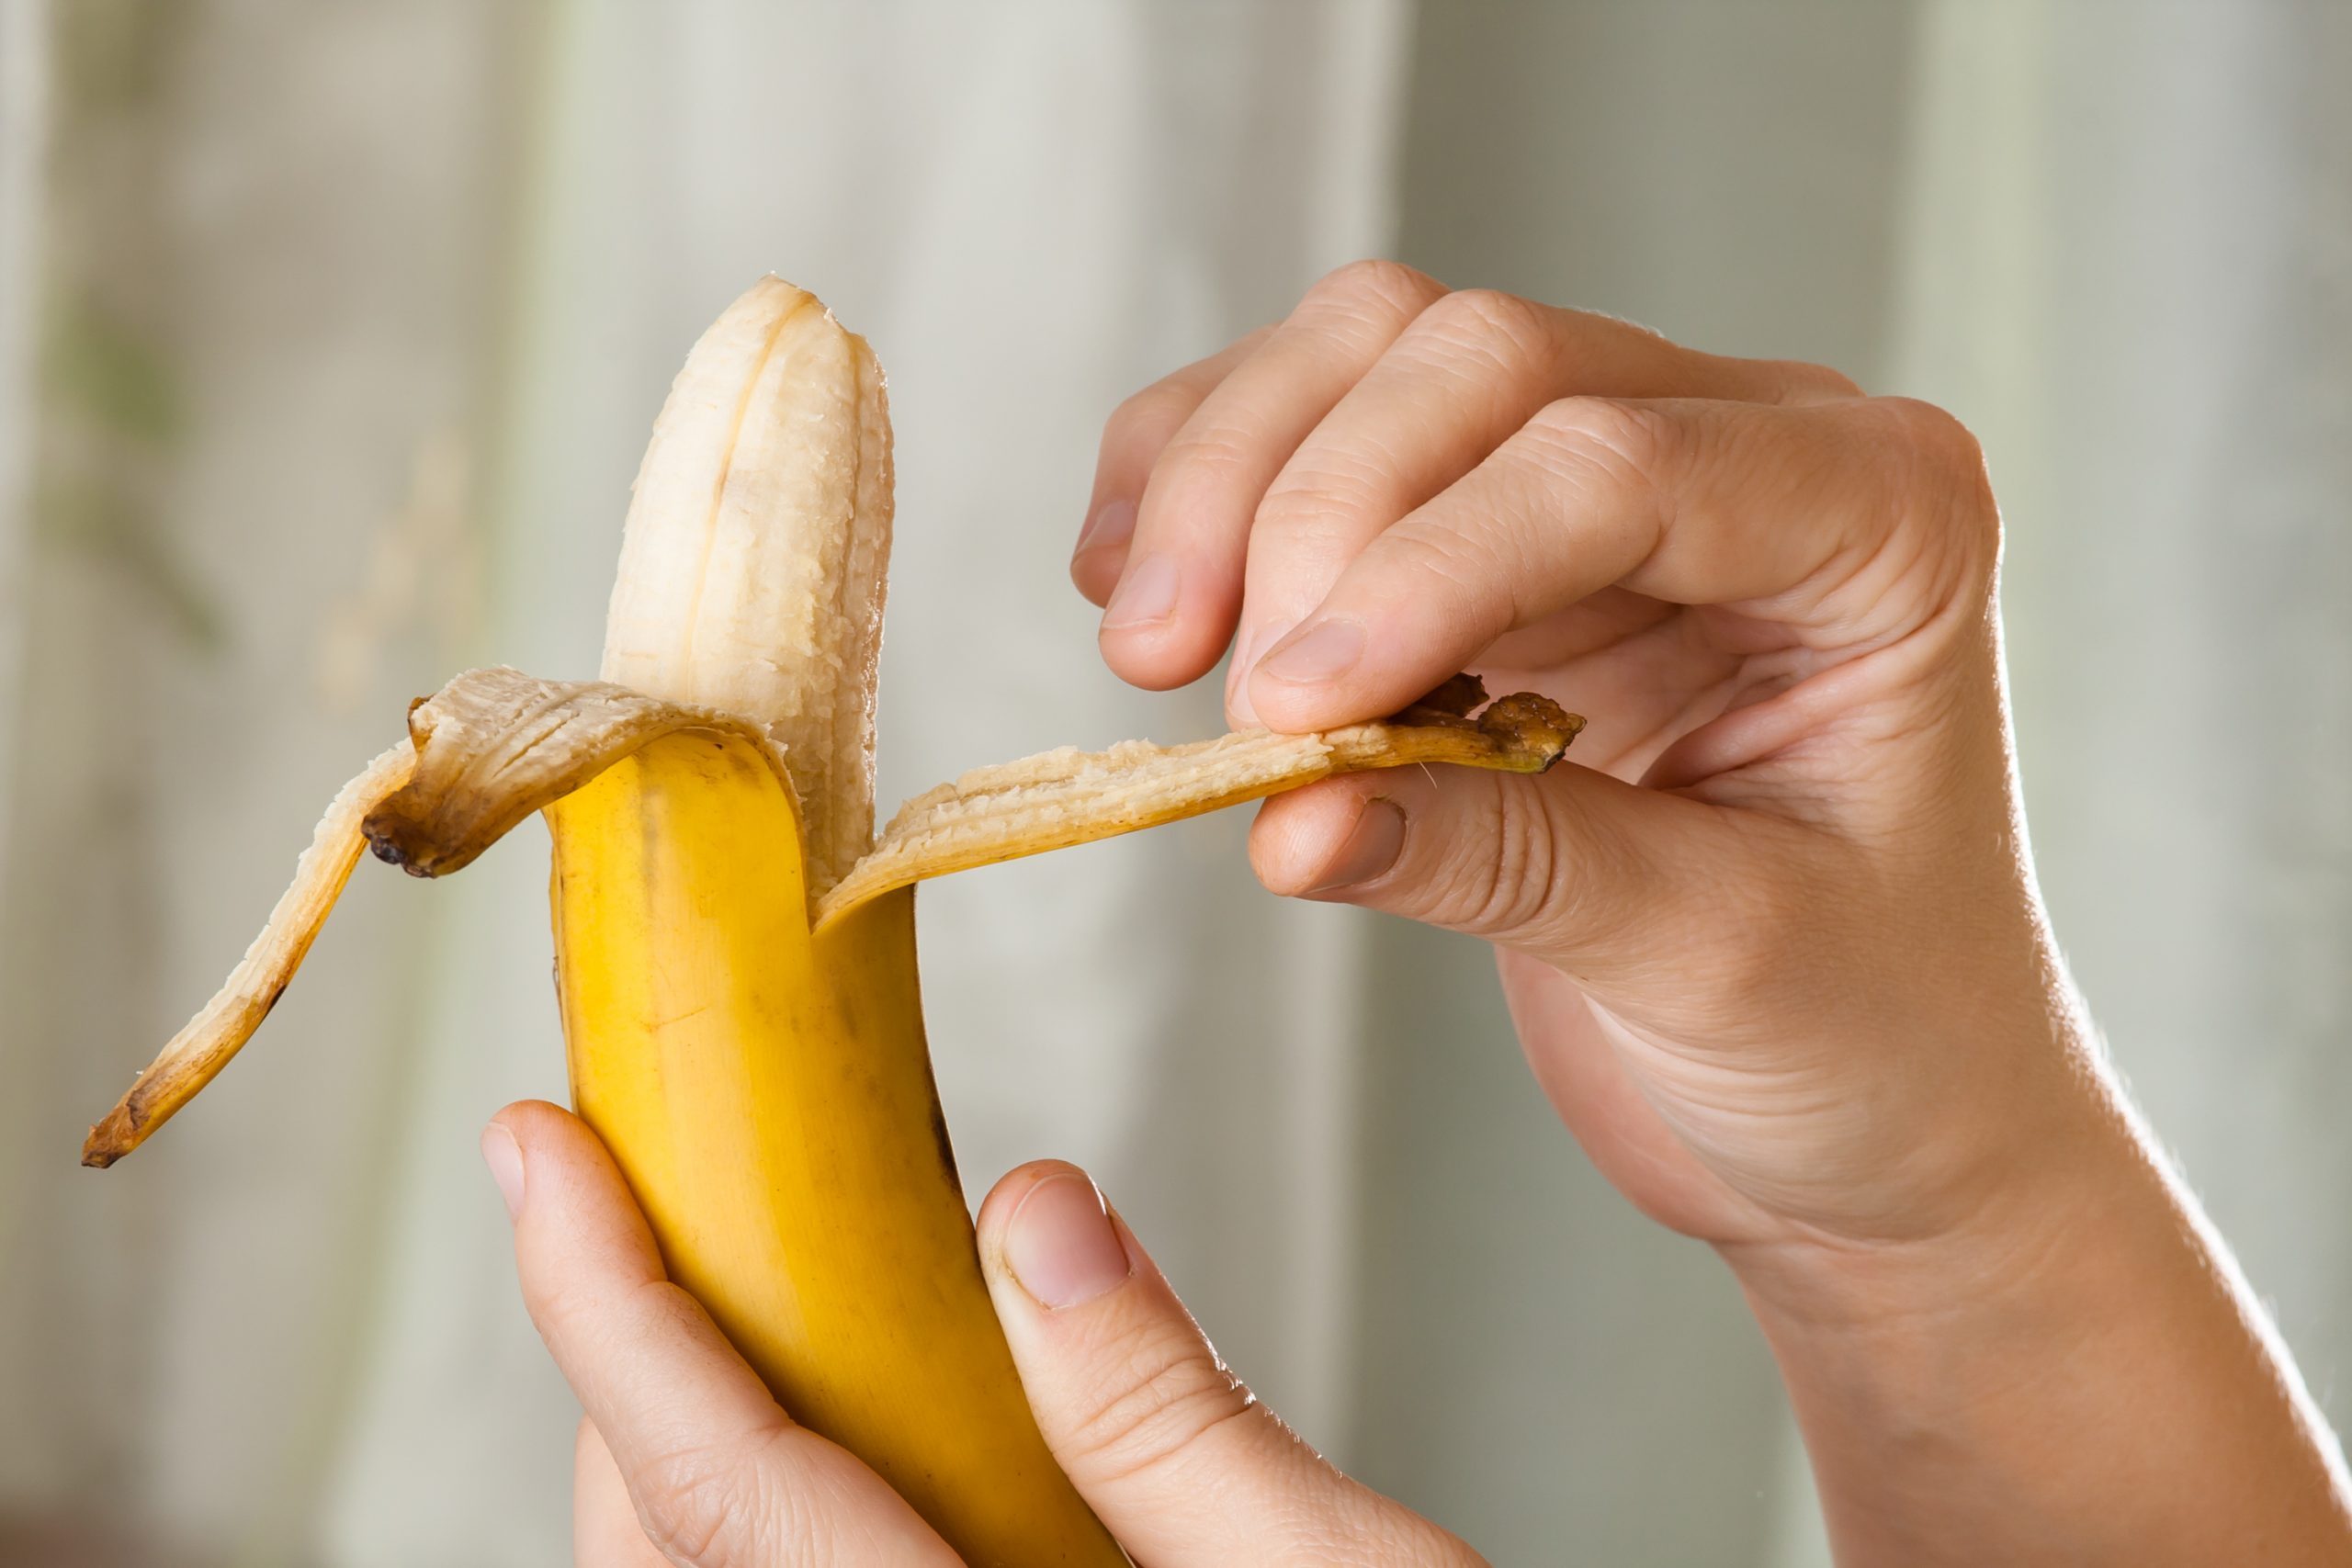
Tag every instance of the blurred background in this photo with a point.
(330, 334)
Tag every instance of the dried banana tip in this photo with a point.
(1530, 724)
(108, 1141)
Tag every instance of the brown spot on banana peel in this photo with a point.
(496, 745)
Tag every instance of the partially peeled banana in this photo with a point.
(735, 944)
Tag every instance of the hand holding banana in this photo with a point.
(685, 1457)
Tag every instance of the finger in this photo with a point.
(1133, 438)
(604, 1531)
(1159, 1436)
(719, 1475)
(1173, 611)
(1782, 512)
(1574, 868)
(1470, 371)
(1585, 873)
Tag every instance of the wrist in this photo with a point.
(2073, 1372)
(2014, 1232)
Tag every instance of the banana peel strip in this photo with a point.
(1058, 798)
(496, 745)
(205, 1043)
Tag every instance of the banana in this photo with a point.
(735, 944)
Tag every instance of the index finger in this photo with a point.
(1780, 512)
(1471, 370)
(719, 1472)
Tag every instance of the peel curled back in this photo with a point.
(203, 1045)
(496, 745)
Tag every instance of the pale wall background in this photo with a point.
(329, 335)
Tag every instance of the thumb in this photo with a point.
(1173, 1453)
(1592, 876)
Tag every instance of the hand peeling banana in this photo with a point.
(735, 947)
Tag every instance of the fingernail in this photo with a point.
(504, 1157)
(1372, 846)
(1323, 650)
(1061, 1242)
(1238, 705)
(1112, 523)
(1147, 593)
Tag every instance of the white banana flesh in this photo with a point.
(755, 555)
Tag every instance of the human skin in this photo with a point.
(1773, 949)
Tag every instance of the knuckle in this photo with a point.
(1301, 543)
(711, 1505)
(1801, 376)
(1166, 1392)
(1211, 452)
(686, 1499)
(1947, 461)
(1472, 577)
(570, 1312)
(1933, 432)
(1376, 284)
(1152, 414)
(658, 1311)
(1583, 440)
(1488, 322)
(1322, 487)
(1628, 432)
